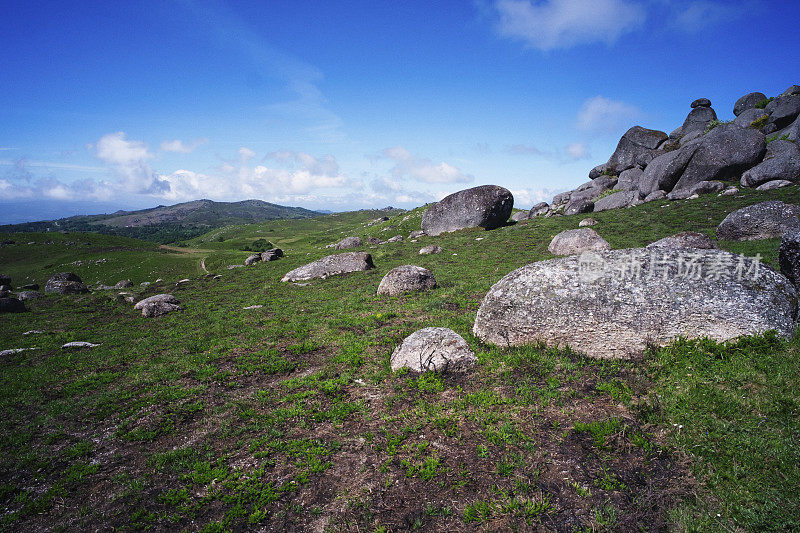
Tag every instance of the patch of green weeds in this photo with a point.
(599, 430)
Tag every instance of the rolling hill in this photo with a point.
(173, 223)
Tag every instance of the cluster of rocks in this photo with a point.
(272, 254)
(702, 156)
(158, 305)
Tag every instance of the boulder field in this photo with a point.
(756, 149)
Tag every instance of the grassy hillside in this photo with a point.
(287, 416)
(168, 224)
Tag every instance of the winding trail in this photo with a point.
(188, 251)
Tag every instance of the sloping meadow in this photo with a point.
(287, 416)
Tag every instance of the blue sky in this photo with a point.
(345, 105)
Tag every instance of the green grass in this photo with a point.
(288, 416)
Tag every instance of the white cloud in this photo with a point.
(296, 174)
(553, 24)
(408, 165)
(601, 114)
(181, 147)
(128, 161)
(526, 198)
(577, 151)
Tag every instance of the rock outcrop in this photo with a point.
(614, 304)
(696, 157)
(331, 265)
(435, 349)
(764, 220)
(487, 206)
(638, 146)
(406, 278)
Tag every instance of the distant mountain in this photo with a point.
(169, 223)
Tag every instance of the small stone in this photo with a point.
(80, 344)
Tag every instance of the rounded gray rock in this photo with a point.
(158, 308)
(331, 265)
(748, 116)
(435, 349)
(638, 146)
(166, 298)
(65, 283)
(576, 241)
(617, 201)
(252, 260)
(28, 295)
(701, 102)
(272, 254)
(349, 242)
(578, 206)
(698, 119)
(775, 184)
(406, 278)
(685, 239)
(614, 304)
(430, 249)
(538, 209)
(587, 222)
(759, 221)
(724, 153)
(11, 305)
(747, 101)
(519, 216)
(487, 206)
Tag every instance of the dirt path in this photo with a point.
(188, 251)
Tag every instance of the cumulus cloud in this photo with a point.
(181, 147)
(408, 165)
(128, 162)
(526, 198)
(603, 115)
(554, 24)
(294, 175)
